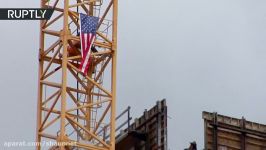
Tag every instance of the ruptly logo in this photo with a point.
(25, 14)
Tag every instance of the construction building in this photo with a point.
(228, 133)
(148, 132)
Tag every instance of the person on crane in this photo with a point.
(74, 47)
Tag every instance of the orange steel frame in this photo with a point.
(55, 115)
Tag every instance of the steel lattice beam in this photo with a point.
(70, 103)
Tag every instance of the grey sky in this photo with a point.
(198, 54)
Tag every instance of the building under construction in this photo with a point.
(228, 133)
(148, 132)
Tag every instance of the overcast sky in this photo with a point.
(198, 54)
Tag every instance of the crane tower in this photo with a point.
(76, 108)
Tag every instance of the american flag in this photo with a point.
(88, 27)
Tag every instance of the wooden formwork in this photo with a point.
(149, 132)
(227, 133)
